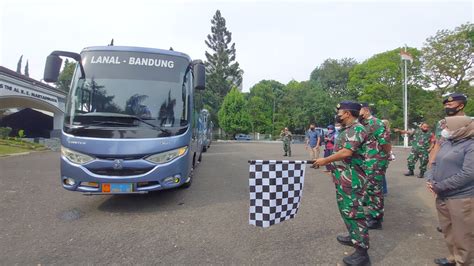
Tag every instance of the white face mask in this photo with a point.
(446, 134)
(337, 128)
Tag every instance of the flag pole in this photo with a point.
(405, 104)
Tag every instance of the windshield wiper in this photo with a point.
(112, 115)
(99, 123)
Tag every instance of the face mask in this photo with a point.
(445, 134)
(330, 130)
(452, 111)
(339, 119)
(338, 128)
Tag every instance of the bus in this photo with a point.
(131, 120)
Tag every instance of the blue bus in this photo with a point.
(131, 121)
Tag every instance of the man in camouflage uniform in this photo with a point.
(347, 169)
(287, 137)
(420, 148)
(376, 162)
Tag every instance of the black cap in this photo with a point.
(455, 97)
(348, 105)
(364, 104)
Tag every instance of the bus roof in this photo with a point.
(136, 49)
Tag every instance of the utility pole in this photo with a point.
(405, 104)
(273, 116)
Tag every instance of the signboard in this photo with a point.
(7, 89)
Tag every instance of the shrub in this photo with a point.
(4, 132)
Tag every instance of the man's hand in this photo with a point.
(320, 162)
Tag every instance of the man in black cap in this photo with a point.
(453, 106)
(347, 169)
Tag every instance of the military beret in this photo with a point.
(455, 97)
(364, 104)
(348, 105)
(330, 127)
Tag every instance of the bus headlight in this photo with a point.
(75, 157)
(167, 156)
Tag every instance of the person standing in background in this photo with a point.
(287, 137)
(313, 142)
(329, 146)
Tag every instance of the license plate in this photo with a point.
(116, 188)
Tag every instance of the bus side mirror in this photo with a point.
(199, 76)
(52, 67)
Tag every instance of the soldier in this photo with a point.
(287, 137)
(376, 157)
(347, 170)
(453, 106)
(420, 148)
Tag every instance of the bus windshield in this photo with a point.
(129, 91)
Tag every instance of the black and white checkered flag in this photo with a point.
(276, 188)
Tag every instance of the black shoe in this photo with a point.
(345, 240)
(359, 257)
(421, 175)
(439, 229)
(409, 173)
(374, 223)
(445, 262)
(285, 154)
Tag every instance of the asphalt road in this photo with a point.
(41, 223)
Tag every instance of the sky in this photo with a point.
(279, 40)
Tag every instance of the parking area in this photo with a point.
(41, 223)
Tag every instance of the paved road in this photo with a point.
(41, 223)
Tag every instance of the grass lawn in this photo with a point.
(4, 149)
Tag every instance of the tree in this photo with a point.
(448, 59)
(233, 114)
(222, 69)
(65, 77)
(263, 99)
(379, 80)
(27, 70)
(333, 76)
(18, 65)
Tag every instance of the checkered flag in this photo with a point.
(276, 188)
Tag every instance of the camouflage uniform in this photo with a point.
(439, 127)
(419, 150)
(351, 182)
(376, 163)
(286, 137)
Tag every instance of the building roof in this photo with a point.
(9, 72)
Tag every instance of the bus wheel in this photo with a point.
(188, 183)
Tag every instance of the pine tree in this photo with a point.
(18, 66)
(223, 71)
(27, 70)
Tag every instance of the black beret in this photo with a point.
(455, 97)
(348, 105)
(364, 104)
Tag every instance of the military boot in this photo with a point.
(345, 240)
(409, 173)
(360, 257)
(374, 223)
(285, 154)
(421, 175)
